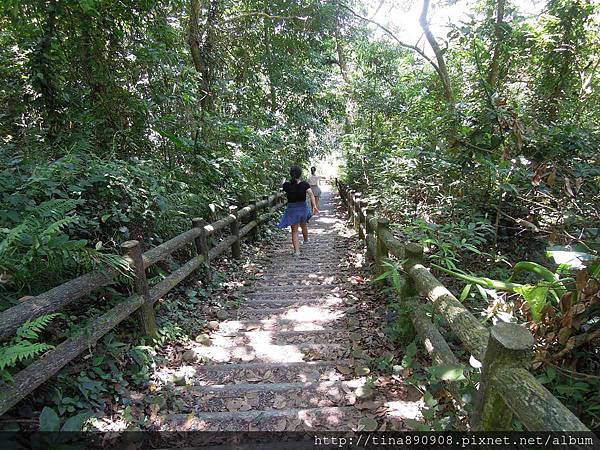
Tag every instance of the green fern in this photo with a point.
(24, 346)
(9, 356)
(40, 246)
(30, 330)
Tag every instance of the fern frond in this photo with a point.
(59, 224)
(57, 208)
(30, 330)
(12, 354)
(13, 235)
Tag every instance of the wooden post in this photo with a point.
(349, 204)
(414, 255)
(509, 347)
(370, 214)
(254, 216)
(201, 243)
(381, 249)
(356, 210)
(235, 231)
(133, 254)
(370, 237)
(361, 218)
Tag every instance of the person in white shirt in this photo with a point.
(314, 180)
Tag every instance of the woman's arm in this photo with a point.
(313, 202)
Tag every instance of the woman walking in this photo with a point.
(314, 181)
(297, 214)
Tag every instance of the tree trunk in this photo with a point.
(267, 43)
(342, 61)
(43, 74)
(202, 49)
(442, 69)
(499, 35)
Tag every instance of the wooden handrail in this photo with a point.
(34, 375)
(507, 387)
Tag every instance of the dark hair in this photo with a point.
(313, 170)
(295, 173)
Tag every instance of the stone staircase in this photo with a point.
(283, 360)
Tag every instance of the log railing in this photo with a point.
(38, 372)
(507, 387)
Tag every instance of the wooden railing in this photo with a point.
(507, 387)
(28, 379)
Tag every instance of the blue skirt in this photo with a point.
(295, 213)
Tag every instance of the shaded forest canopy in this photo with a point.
(124, 120)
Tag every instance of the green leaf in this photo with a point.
(416, 425)
(49, 420)
(447, 372)
(482, 292)
(411, 350)
(465, 292)
(429, 400)
(535, 296)
(75, 423)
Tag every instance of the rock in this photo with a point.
(397, 369)
(179, 379)
(364, 393)
(190, 356)
(203, 339)
(213, 325)
(222, 314)
(183, 375)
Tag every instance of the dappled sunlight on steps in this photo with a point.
(283, 360)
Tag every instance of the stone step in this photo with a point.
(284, 300)
(268, 396)
(291, 441)
(309, 419)
(330, 282)
(254, 372)
(268, 288)
(266, 352)
(303, 313)
(260, 338)
(299, 275)
(233, 326)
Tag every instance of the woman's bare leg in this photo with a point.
(304, 227)
(295, 241)
(318, 201)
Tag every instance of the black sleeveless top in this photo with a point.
(296, 192)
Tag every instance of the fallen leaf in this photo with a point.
(367, 424)
(362, 371)
(345, 370)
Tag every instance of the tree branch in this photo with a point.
(265, 15)
(392, 35)
(441, 63)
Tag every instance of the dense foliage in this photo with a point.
(487, 152)
(124, 120)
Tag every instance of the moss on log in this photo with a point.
(212, 228)
(159, 290)
(248, 228)
(163, 250)
(53, 300)
(41, 370)
(463, 323)
(533, 404)
(394, 246)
